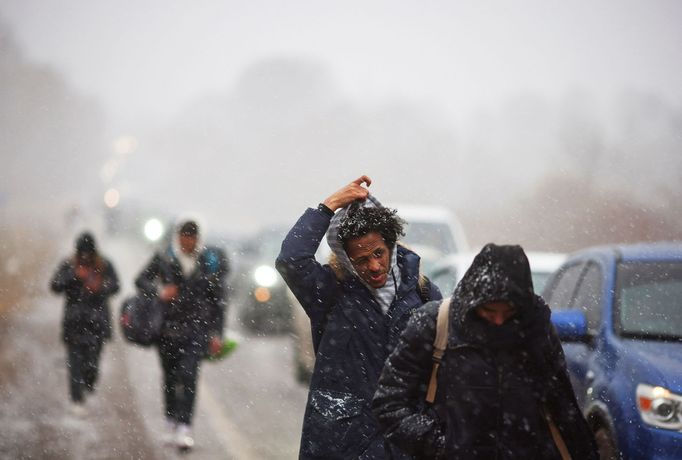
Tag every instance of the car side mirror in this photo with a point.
(571, 325)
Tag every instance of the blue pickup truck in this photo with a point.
(618, 311)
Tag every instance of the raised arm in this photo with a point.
(64, 278)
(314, 285)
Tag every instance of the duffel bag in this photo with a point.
(141, 320)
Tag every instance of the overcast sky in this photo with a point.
(149, 57)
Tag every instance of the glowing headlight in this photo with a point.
(265, 276)
(659, 407)
(153, 229)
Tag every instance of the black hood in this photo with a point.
(498, 273)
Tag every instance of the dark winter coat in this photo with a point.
(352, 339)
(197, 313)
(86, 319)
(496, 383)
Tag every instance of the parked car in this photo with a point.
(260, 293)
(447, 272)
(431, 231)
(618, 311)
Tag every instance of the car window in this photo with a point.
(648, 299)
(435, 235)
(445, 279)
(562, 289)
(589, 295)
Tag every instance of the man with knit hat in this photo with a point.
(87, 280)
(358, 304)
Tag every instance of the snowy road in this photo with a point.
(248, 407)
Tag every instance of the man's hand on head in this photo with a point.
(346, 195)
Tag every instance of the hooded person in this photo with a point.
(501, 380)
(189, 279)
(87, 280)
(358, 304)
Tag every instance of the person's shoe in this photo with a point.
(183, 437)
(78, 409)
(170, 432)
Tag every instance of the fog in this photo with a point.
(553, 124)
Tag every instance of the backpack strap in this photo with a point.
(556, 436)
(424, 288)
(439, 345)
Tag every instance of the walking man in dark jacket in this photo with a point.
(190, 280)
(87, 280)
(358, 306)
(502, 384)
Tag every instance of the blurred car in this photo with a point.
(260, 293)
(431, 231)
(618, 312)
(447, 272)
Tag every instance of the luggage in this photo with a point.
(141, 319)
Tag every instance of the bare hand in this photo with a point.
(351, 192)
(82, 272)
(169, 292)
(214, 345)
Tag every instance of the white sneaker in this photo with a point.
(183, 437)
(169, 432)
(78, 409)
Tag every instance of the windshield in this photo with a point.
(649, 300)
(539, 280)
(435, 235)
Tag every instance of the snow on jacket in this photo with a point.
(495, 384)
(86, 319)
(352, 339)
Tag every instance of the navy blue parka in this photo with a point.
(352, 339)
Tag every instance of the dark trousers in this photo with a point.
(83, 364)
(180, 363)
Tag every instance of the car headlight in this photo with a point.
(659, 407)
(265, 276)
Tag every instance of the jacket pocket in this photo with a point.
(334, 427)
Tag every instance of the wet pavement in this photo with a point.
(249, 406)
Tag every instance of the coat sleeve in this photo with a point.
(564, 410)
(146, 281)
(313, 284)
(110, 284)
(65, 278)
(399, 400)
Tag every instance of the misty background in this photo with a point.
(553, 124)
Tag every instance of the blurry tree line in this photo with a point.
(552, 174)
(51, 136)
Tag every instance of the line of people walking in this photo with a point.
(400, 372)
(187, 282)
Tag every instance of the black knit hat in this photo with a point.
(85, 244)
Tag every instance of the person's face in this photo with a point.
(188, 243)
(370, 257)
(496, 313)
